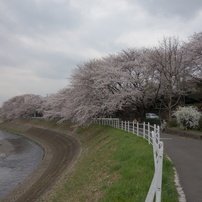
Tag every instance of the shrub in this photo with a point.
(187, 117)
(200, 124)
(173, 123)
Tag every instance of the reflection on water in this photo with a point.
(18, 158)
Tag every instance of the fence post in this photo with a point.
(158, 128)
(144, 130)
(133, 128)
(125, 125)
(149, 135)
(159, 183)
(153, 187)
(156, 134)
(154, 148)
(137, 128)
(128, 126)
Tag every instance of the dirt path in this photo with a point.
(61, 152)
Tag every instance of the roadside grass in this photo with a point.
(194, 134)
(188, 131)
(115, 161)
(114, 166)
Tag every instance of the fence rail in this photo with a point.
(152, 134)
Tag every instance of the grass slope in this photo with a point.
(114, 166)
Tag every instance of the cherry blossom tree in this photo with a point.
(174, 71)
(22, 106)
(124, 85)
(140, 76)
(109, 86)
(194, 50)
(130, 82)
(53, 104)
(86, 99)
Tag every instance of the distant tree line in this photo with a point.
(123, 85)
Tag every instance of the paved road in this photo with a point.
(186, 154)
(61, 150)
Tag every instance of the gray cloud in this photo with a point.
(181, 8)
(34, 17)
(43, 40)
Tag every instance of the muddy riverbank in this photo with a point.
(61, 152)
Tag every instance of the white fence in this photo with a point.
(152, 134)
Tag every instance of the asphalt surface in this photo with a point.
(186, 154)
(61, 151)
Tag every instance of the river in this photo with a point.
(19, 157)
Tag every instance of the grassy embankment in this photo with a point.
(114, 166)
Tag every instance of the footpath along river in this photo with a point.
(19, 157)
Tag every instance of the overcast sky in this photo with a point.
(42, 41)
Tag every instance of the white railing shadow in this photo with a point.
(152, 134)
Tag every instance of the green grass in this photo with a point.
(194, 131)
(114, 166)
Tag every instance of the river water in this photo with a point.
(19, 157)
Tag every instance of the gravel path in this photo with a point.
(61, 152)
